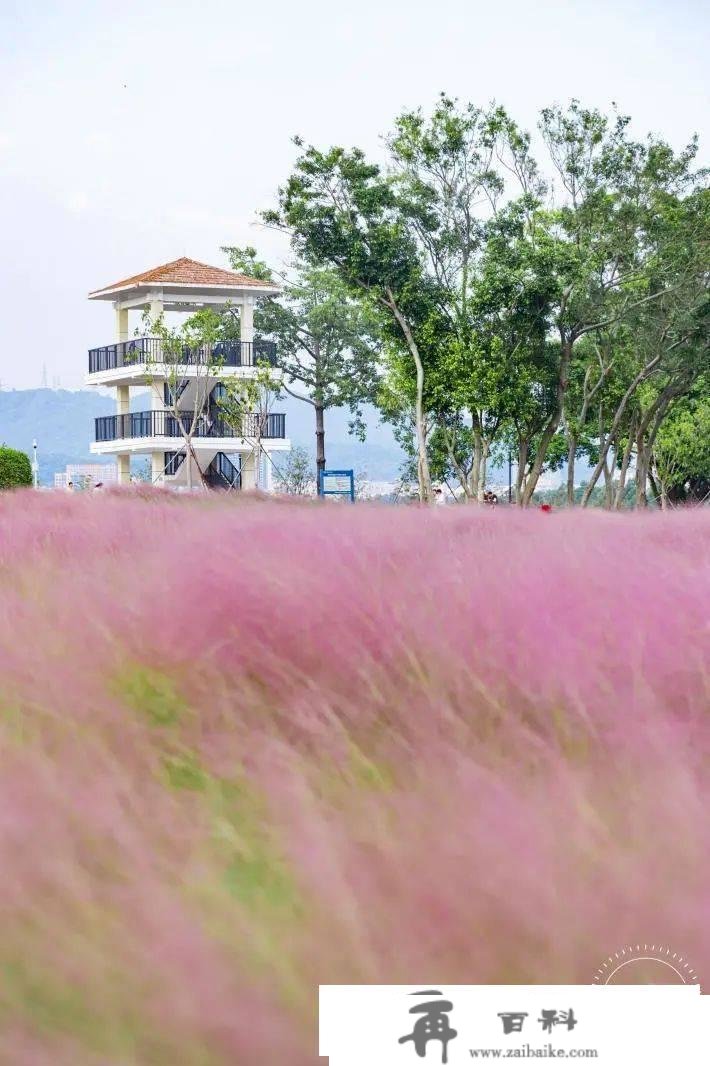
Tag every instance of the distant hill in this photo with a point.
(63, 424)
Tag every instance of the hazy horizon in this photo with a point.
(131, 135)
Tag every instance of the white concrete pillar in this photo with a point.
(155, 310)
(123, 462)
(123, 399)
(246, 326)
(157, 395)
(249, 479)
(197, 467)
(268, 485)
(121, 323)
(157, 467)
(155, 305)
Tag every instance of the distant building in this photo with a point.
(225, 456)
(86, 475)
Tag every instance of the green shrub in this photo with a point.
(15, 468)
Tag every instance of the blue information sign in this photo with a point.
(337, 483)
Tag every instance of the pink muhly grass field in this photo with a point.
(250, 748)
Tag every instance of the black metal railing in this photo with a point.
(165, 424)
(150, 350)
(124, 353)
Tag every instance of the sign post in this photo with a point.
(337, 483)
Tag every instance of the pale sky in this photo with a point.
(134, 133)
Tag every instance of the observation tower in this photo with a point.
(179, 394)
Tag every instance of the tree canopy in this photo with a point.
(326, 340)
(15, 468)
(545, 299)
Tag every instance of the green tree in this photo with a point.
(667, 337)
(594, 247)
(15, 468)
(444, 165)
(556, 311)
(342, 211)
(295, 475)
(515, 378)
(327, 341)
(681, 453)
(677, 327)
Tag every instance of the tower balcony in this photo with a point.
(147, 425)
(143, 351)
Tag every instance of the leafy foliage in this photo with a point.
(326, 341)
(345, 213)
(549, 310)
(15, 468)
(681, 452)
(294, 473)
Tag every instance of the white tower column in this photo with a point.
(123, 462)
(123, 399)
(248, 470)
(155, 301)
(157, 394)
(246, 319)
(157, 467)
(121, 322)
(123, 406)
(268, 485)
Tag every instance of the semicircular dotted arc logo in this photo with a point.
(646, 964)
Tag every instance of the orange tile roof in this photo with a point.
(186, 271)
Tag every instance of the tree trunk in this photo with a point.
(609, 470)
(641, 376)
(608, 486)
(188, 460)
(476, 465)
(190, 456)
(645, 444)
(571, 453)
(659, 488)
(534, 476)
(257, 463)
(320, 442)
(642, 460)
(621, 488)
(460, 472)
(572, 435)
(520, 473)
(482, 481)
(425, 493)
(552, 424)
